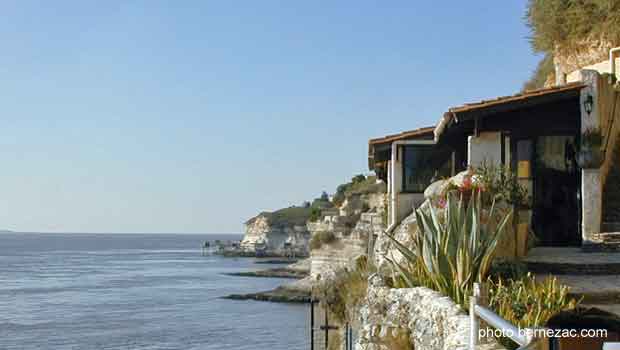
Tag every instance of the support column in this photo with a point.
(591, 186)
(592, 204)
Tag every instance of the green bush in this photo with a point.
(527, 303)
(358, 179)
(359, 184)
(321, 238)
(453, 251)
(502, 184)
(285, 216)
(568, 25)
(507, 270)
(346, 290)
(315, 214)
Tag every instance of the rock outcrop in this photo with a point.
(271, 235)
(288, 231)
(359, 218)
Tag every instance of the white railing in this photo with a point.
(526, 339)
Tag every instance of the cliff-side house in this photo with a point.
(536, 134)
(573, 203)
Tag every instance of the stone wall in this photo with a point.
(424, 317)
(590, 56)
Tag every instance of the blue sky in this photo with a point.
(192, 116)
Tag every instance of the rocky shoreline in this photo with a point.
(278, 272)
(282, 294)
(295, 292)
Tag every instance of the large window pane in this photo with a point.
(424, 164)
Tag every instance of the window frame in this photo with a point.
(416, 144)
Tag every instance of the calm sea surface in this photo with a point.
(112, 291)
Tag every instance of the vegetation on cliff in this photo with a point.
(344, 293)
(295, 215)
(568, 27)
(285, 216)
(321, 238)
(358, 185)
(311, 211)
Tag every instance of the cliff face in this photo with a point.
(288, 231)
(358, 218)
(264, 236)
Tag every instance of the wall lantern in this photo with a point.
(588, 104)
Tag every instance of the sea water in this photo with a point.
(135, 291)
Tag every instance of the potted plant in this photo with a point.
(590, 155)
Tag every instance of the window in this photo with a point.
(424, 164)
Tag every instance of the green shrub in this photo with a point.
(502, 183)
(285, 216)
(358, 179)
(338, 199)
(567, 28)
(320, 238)
(315, 214)
(346, 290)
(507, 270)
(451, 252)
(568, 25)
(527, 303)
(315, 243)
(359, 184)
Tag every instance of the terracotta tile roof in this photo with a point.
(517, 97)
(507, 103)
(426, 131)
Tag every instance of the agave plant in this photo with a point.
(451, 251)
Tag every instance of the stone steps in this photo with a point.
(607, 236)
(605, 241)
(599, 289)
(612, 216)
(574, 261)
(600, 269)
(603, 247)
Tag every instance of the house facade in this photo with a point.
(537, 135)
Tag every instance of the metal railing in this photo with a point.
(525, 338)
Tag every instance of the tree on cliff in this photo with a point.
(565, 28)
